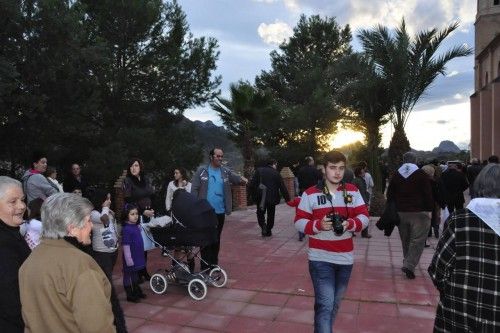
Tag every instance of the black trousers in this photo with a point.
(107, 261)
(210, 253)
(261, 216)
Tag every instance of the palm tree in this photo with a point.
(367, 102)
(240, 115)
(409, 67)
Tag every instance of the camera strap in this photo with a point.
(329, 197)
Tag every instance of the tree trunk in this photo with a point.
(248, 156)
(373, 139)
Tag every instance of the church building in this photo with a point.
(485, 102)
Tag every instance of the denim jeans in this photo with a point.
(330, 283)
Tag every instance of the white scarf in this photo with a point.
(488, 210)
(407, 169)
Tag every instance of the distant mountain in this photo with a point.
(210, 135)
(446, 147)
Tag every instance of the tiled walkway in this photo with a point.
(269, 288)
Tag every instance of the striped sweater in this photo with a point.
(325, 245)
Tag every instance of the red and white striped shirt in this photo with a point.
(325, 245)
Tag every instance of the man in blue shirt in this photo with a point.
(213, 182)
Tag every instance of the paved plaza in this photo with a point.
(269, 289)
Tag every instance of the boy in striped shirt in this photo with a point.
(330, 254)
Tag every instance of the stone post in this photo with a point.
(118, 197)
(288, 179)
(239, 196)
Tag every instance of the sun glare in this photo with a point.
(344, 137)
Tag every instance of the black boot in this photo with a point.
(144, 275)
(131, 297)
(264, 230)
(138, 291)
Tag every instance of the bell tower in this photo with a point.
(485, 102)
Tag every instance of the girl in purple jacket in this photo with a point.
(133, 254)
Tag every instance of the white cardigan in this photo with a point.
(170, 193)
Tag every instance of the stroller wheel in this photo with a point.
(217, 277)
(197, 289)
(158, 283)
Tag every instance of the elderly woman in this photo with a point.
(466, 265)
(62, 288)
(13, 252)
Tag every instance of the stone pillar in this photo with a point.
(239, 196)
(496, 117)
(118, 195)
(475, 132)
(288, 179)
(486, 122)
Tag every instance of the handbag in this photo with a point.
(147, 237)
(263, 189)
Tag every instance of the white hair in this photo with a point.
(62, 210)
(6, 182)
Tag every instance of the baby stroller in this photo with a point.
(194, 224)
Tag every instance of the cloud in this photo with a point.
(452, 73)
(419, 14)
(458, 96)
(274, 33)
(292, 5)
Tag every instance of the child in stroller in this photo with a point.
(193, 225)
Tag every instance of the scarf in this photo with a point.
(407, 169)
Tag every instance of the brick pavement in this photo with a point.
(269, 288)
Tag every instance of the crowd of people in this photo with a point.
(59, 254)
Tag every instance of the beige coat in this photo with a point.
(64, 290)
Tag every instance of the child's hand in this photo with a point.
(129, 262)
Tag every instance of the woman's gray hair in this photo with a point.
(487, 183)
(62, 210)
(6, 182)
(410, 157)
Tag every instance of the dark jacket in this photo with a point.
(274, 185)
(389, 219)
(138, 192)
(455, 183)
(13, 252)
(308, 176)
(71, 183)
(412, 194)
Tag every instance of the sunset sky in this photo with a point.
(248, 30)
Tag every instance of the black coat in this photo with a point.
(13, 252)
(71, 183)
(274, 183)
(308, 176)
(455, 183)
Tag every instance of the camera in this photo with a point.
(337, 220)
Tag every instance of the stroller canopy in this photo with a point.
(195, 222)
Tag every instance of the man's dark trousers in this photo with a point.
(261, 217)
(210, 253)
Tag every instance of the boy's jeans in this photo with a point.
(330, 283)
